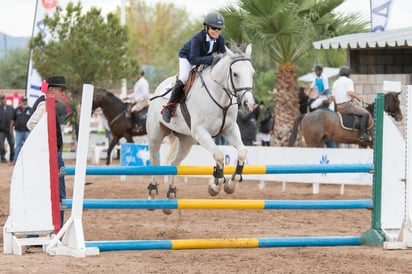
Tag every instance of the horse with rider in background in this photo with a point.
(119, 118)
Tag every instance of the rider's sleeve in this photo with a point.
(36, 116)
(196, 57)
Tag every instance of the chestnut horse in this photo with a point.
(321, 125)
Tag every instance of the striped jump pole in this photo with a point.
(222, 204)
(208, 170)
(225, 243)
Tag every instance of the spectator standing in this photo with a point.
(265, 124)
(247, 124)
(56, 85)
(21, 116)
(6, 129)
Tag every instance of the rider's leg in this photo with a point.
(184, 70)
(136, 120)
(169, 109)
(363, 129)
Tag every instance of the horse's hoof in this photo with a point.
(211, 191)
(150, 198)
(230, 187)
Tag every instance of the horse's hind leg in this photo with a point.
(180, 148)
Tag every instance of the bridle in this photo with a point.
(231, 92)
(98, 98)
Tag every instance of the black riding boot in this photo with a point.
(169, 109)
(136, 120)
(363, 128)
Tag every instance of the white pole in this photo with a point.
(123, 90)
(408, 191)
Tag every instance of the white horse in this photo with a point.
(213, 106)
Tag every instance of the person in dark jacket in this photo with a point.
(21, 116)
(198, 50)
(265, 124)
(247, 124)
(56, 85)
(6, 128)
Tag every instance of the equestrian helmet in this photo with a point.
(318, 67)
(344, 71)
(214, 19)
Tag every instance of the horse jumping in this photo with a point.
(120, 122)
(321, 125)
(212, 107)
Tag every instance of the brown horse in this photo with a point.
(321, 125)
(120, 122)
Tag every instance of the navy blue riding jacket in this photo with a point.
(195, 50)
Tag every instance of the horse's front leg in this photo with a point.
(204, 139)
(110, 148)
(236, 177)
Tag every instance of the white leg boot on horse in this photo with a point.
(169, 110)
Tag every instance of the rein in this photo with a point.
(230, 93)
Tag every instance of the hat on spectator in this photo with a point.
(24, 98)
(2, 96)
(57, 81)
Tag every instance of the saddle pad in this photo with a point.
(349, 121)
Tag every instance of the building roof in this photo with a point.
(327, 71)
(391, 38)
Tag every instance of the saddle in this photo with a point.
(349, 121)
(192, 78)
(188, 86)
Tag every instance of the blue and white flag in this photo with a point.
(43, 8)
(380, 12)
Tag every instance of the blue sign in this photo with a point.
(134, 155)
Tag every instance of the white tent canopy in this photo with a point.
(390, 38)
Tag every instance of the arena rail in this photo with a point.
(208, 170)
(221, 204)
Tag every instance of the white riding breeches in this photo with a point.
(184, 70)
(318, 102)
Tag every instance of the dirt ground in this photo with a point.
(187, 224)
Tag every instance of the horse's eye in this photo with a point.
(235, 74)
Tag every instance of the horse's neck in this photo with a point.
(112, 109)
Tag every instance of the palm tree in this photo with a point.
(285, 30)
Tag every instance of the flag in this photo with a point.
(380, 12)
(34, 81)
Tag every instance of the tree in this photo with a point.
(156, 35)
(285, 30)
(85, 48)
(13, 69)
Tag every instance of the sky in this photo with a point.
(17, 16)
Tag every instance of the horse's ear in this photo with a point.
(248, 51)
(229, 52)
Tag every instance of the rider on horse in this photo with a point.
(344, 92)
(197, 51)
(139, 98)
(322, 84)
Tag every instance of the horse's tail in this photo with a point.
(171, 154)
(294, 133)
